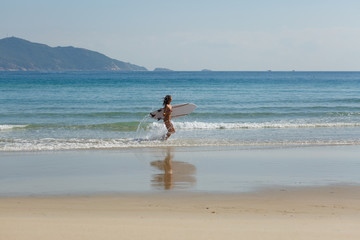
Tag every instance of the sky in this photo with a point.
(191, 35)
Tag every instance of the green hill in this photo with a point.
(21, 55)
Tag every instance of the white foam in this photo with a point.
(9, 127)
(52, 144)
(213, 126)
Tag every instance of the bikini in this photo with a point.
(168, 117)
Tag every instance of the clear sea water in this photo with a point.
(109, 110)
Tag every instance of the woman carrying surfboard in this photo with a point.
(167, 116)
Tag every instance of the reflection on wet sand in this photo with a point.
(174, 174)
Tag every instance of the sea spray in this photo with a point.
(147, 131)
(141, 125)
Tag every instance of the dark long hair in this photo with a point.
(166, 100)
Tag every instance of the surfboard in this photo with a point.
(179, 110)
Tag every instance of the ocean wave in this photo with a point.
(86, 115)
(282, 112)
(213, 126)
(217, 113)
(347, 100)
(197, 125)
(53, 144)
(10, 127)
(190, 125)
(118, 126)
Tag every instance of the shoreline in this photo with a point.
(331, 212)
(184, 148)
(161, 144)
(298, 193)
(206, 169)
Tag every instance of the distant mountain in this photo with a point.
(162, 70)
(21, 55)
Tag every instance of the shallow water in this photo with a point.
(108, 110)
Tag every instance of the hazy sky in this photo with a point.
(193, 35)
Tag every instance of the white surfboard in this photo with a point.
(179, 110)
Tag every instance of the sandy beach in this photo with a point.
(287, 213)
(181, 193)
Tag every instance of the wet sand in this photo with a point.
(179, 193)
(209, 170)
(287, 213)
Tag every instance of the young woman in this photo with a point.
(167, 116)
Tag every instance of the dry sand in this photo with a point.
(307, 213)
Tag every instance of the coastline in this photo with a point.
(330, 212)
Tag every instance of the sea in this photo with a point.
(42, 111)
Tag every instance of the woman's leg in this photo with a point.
(170, 128)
